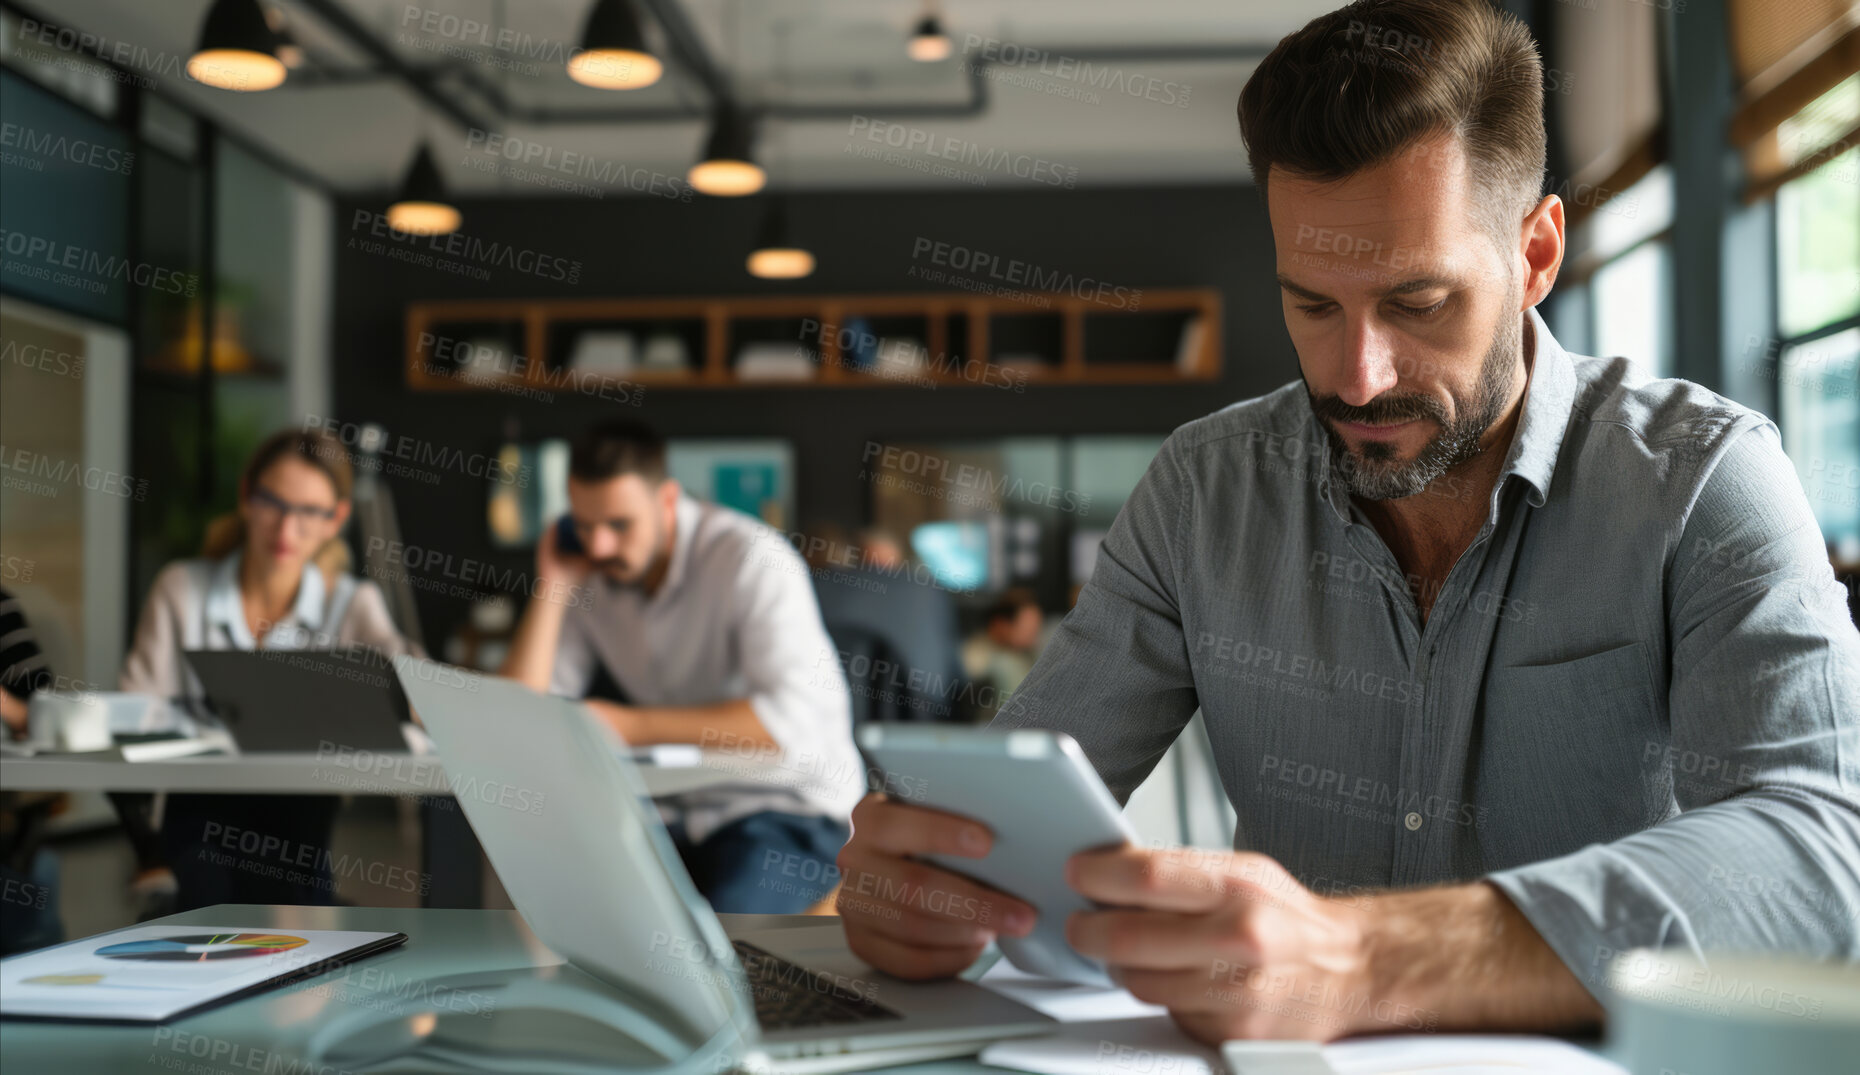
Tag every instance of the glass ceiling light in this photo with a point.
(929, 43)
(774, 257)
(613, 53)
(728, 169)
(237, 50)
(422, 208)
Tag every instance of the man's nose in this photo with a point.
(1369, 367)
(602, 545)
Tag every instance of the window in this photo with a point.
(1819, 394)
(1618, 298)
(1630, 304)
(1818, 224)
(1818, 319)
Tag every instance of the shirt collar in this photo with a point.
(1549, 396)
(224, 608)
(1548, 399)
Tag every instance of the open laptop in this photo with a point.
(563, 815)
(299, 700)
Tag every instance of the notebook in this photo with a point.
(147, 974)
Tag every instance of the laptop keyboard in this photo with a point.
(788, 996)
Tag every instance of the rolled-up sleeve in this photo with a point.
(1116, 674)
(1765, 698)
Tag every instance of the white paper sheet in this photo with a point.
(1110, 1032)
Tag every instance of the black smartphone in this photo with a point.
(566, 540)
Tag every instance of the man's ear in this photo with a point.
(1541, 246)
(668, 495)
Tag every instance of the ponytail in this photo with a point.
(225, 536)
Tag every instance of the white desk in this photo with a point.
(275, 1030)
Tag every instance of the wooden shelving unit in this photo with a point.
(964, 337)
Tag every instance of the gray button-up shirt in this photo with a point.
(1634, 706)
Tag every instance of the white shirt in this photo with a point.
(734, 618)
(195, 605)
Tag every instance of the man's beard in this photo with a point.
(1374, 474)
(614, 568)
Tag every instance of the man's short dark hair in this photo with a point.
(1008, 606)
(615, 449)
(1357, 86)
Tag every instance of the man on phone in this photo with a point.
(702, 621)
(1512, 660)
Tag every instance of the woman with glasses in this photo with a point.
(273, 575)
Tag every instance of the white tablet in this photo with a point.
(1040, 797)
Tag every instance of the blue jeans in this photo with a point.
(766, 863)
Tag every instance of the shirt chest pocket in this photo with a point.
(1565, 741)
(1614, 681)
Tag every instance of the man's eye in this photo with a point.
(1317, 309)
(1420, 311)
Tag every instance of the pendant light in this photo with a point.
(613, 53)
(774, 256)
(422, 208)
(237, 50)
(728, 169)
(929, 43)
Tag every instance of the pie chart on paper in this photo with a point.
(197, 947)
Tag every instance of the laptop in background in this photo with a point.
(298, 700)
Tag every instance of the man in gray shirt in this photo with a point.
(1512, 660)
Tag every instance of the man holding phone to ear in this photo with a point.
(1521, 659)
(705, 621)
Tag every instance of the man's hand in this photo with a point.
(1235, 947)
(909, 918)
(531, 658)
(1229, 942)
(553, 564)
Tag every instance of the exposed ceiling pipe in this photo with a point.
(687, 48)
(418, 79)
(682, 39)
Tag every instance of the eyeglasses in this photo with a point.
(267, 504)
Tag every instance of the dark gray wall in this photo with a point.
(647, 246)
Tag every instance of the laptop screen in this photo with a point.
(564, 817)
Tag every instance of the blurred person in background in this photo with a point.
(704, 622)
(29, 912)
(1001, 654)
(881, 550)
(272, 575)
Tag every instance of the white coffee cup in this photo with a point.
(1671, 1012)
(73, 722)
